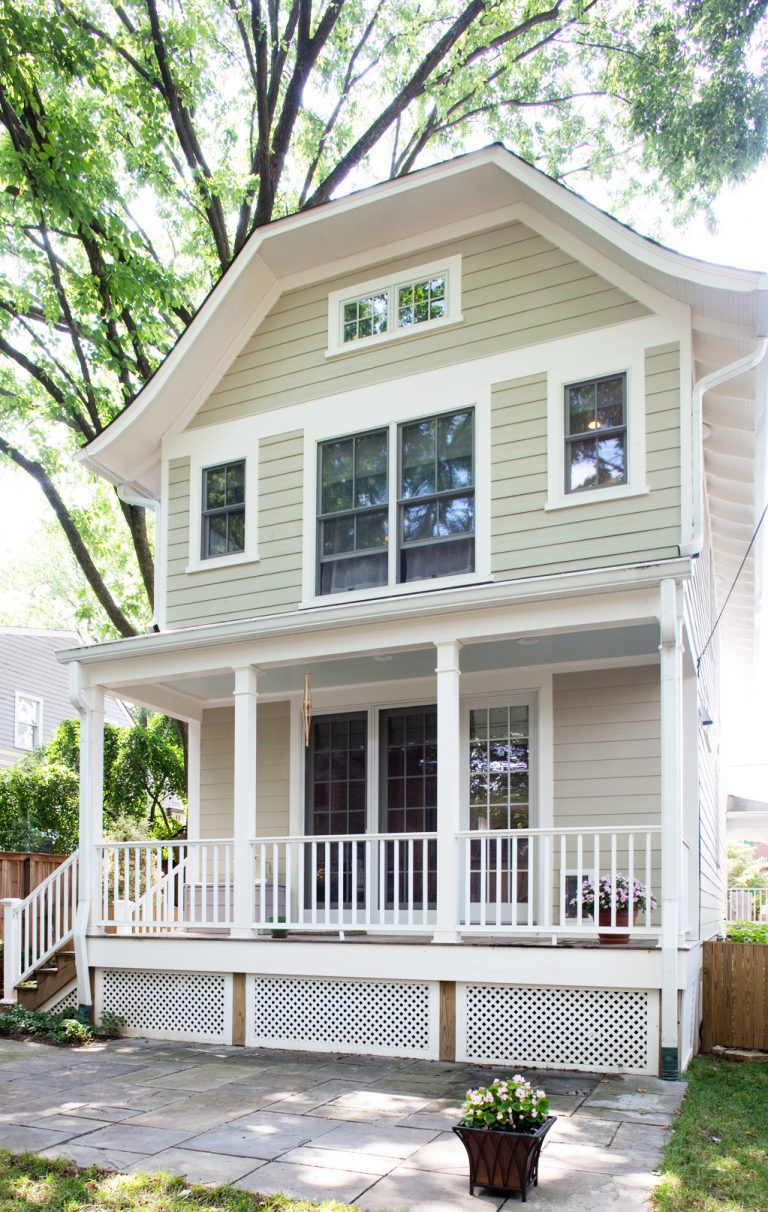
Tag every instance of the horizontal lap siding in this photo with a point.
(607, 747)
(517, 289)
(217, 756)
(526, 539)
(271, 584)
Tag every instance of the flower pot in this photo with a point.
(504, 1161)
(622, 919)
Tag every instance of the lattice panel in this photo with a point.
(168, 1005)
(395, 1018)
(63, 1001)
(598, 1029)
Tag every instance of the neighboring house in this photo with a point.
(34, 691)
(448, 458)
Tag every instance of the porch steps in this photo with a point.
(49, 979)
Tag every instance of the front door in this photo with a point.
(408, 803)
(336, 804)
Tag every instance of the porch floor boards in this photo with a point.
(406, 940)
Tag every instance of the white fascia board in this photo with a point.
(249, 288)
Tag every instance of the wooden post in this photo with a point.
(671, 821)
(449, 783)
(244, 799)
(238, 1008)
(447, 1020)
(11, 948)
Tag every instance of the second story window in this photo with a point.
(596, 433)
(437, 498)
(223, 514)
(29, 713)
(421, 299)
(353, 516)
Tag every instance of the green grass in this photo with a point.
(30, 1182)
(717, 1157)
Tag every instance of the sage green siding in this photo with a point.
(241, 590)
(528, 540)
(607, 747)
(517, 289)
(217, 756)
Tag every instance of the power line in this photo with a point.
(730, 591)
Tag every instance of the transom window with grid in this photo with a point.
(425, 297)
(596, 433)
(223, 515)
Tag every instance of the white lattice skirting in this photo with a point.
(65, 999)
(598, 1029)
(168, 1005)
(386, 1018)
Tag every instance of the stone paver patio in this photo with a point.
(370, 1131)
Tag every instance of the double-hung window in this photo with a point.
(426, 500)
(29, 716)
(596, 433)
(353, 520)
(223, 514)
(437, 497)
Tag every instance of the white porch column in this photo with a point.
(193, 780)
(671, 819)
(449, 781)
(244, 799)
(89, 701)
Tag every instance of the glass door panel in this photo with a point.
(499, 787)
(409, 800)
(336, 799)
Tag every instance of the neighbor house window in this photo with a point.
(29, 713)
(223, 514)
(596, 433)
(353, 514)
(424, 297)
(436, 498)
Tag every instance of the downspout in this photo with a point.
(139, 501)
(715, 379)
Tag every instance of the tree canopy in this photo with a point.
(142, 142)
(143, 766)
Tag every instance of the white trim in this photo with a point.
(223, 444)
(624, 354)
(31, 698)
(389, 284)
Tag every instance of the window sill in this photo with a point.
(389, 338)
(228, 561)
(597, 494)
(409, 589)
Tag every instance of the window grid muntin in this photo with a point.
(515, 737)
(354, 512)
(358, 319)
(403, 502)
(439, 297)
(392, 324)
(595, 435)
(230, 511)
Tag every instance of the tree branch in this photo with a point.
(79, 549)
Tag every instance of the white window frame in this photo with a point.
(622, 356)
(510, 698)
(450, 267)
(221, 449)
(31, 698)
(393, 587)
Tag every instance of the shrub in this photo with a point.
(747, 932)
(58, 1027)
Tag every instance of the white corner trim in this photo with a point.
(389, 284)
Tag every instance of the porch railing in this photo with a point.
(517, 881)
(155, 887)
(522, 881)
(371, 881)
(748, 904)
(36, 927)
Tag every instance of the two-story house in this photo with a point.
(449, 495)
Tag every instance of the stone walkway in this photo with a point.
(374, 1132)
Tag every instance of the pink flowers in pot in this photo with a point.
(635, 896)
(508, 1105)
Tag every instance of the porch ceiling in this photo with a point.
(508, 653)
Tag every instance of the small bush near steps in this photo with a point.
(60, 1027)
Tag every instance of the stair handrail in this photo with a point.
(38, 926)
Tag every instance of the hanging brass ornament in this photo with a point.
(306, 709)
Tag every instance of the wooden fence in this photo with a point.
(735, 995)
(21, 873)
